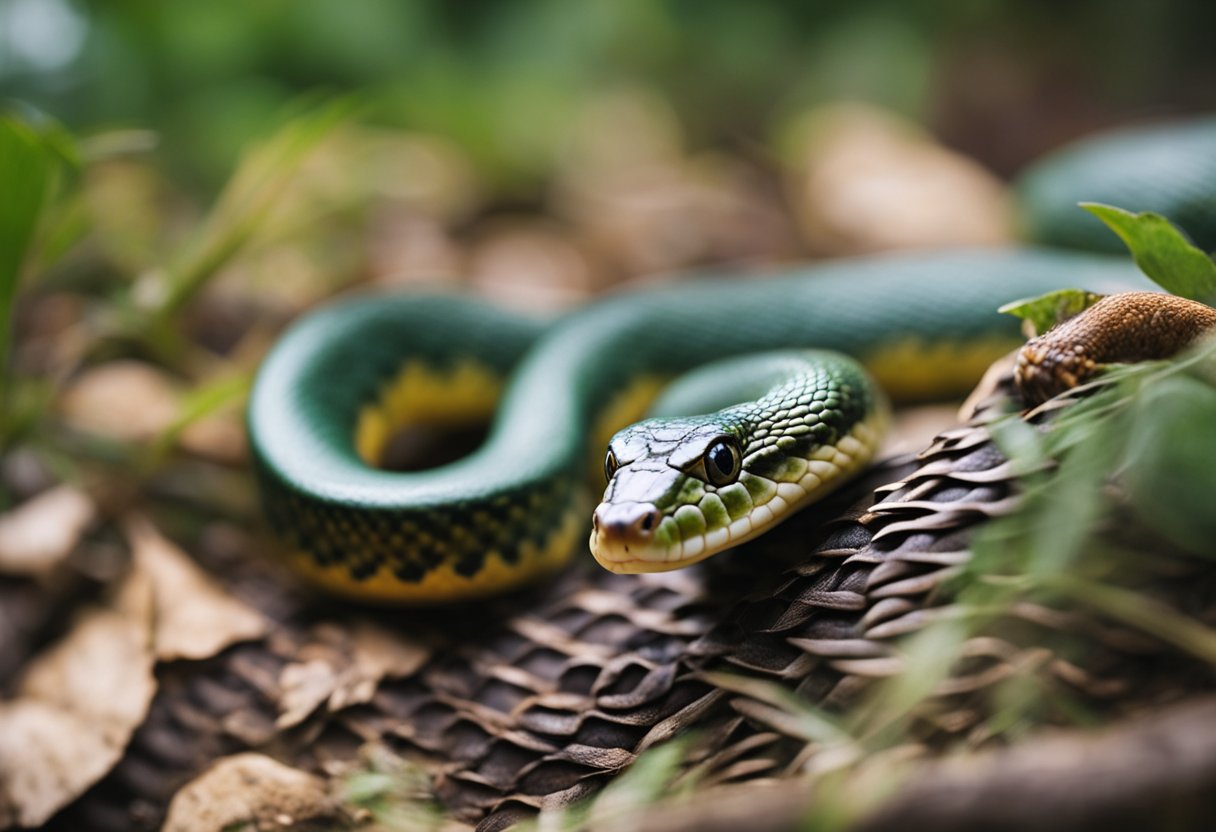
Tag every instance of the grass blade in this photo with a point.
(28, 164)
(247, 200)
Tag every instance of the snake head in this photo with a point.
(683, 488)
(670, 482)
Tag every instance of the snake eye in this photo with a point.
(610, 465)
(722, 462)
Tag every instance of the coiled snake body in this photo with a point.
(782, 429)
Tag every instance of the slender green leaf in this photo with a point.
(26, 169)
(396, 793)
(201, 402)
(1067, 516)
(1145, 613)
(928, 657)
(1169, 471)
(28, 163)
(647, 781)
(1021, 444)
(247, 200)
(812, 723)
(1162, 251)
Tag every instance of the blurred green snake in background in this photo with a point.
(748, 418)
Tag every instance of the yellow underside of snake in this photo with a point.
(761, 421)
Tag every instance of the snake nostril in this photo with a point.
(626, 521)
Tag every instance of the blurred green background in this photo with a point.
(214, 182)
(507, 80)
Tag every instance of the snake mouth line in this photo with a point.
(637, 557)
(628, 557)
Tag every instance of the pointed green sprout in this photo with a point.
(1160, 249)
(1042, 313)
(30, 159)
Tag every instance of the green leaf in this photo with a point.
(247, 200)
(28, 163)
(1042, 313)
(1145, 613)
(1162, 251)
(200, 403)
(646, 782)
(1169, 473)
(806, 720)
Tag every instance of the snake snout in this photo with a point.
(634, 522)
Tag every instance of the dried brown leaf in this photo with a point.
(195, 617)
(123, 400)
(379, 654)
(865, 181)
(48, 756)
(249, 789)
(219, 436)
(305, 685)
(345, 669)
(78, 705)
(95, 670)
(38, 534)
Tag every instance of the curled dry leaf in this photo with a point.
(123, 400)
(867, 181)
(219, 436)
(37, 535)
(129, 401)
(76, 710)
(345, 669)
(530, 266)
(249, 790)
(305, 685)
(194, 617)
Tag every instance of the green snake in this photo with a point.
(761, 422)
